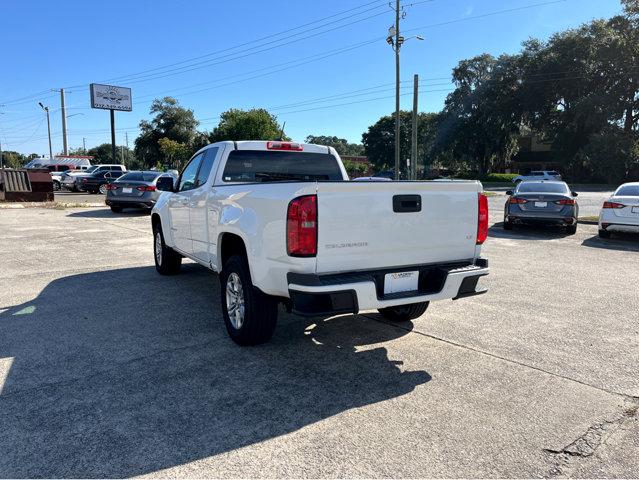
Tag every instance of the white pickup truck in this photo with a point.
(282, 223)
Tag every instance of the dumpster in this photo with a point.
(26, 185)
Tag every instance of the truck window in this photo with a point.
(207, 165)
(187, 179)
(274, 166)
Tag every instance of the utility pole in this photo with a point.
(46, 109)
(63, 111)
(1, 160)
(113, 135)
(397, 48)
(413, 156)
(84, 145)
(126, 139)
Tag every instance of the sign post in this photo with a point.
(109, 97)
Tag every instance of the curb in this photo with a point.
(50, 205)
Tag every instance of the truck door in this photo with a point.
(179, 206)
(198, 208)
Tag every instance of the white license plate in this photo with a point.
(400, 282)
(127, 190)
(635, 209)
(541, 204)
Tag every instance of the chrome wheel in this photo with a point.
(235, 300)
(102, 189)
(158, 248)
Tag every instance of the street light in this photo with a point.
(46, 109)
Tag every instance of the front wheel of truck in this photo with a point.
(403, 313)
(250, 315)
(167, 260)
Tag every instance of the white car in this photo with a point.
(538, 175)
(281, 223)
(620, 213)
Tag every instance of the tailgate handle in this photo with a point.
(407, 203)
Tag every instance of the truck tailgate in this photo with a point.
(373, 225)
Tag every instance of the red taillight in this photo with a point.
(517, 200)
(482, 219)
(613, 205)
(565, 201)
(301, 227)
(284, 146)
(110, 186)
(146, 188)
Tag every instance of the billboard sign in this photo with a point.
(109, 97)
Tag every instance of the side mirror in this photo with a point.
(574, 194)
(165, 184)
(509, 192)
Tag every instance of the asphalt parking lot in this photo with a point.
(108, 369)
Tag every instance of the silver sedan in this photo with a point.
(542, 202)
(134, 190)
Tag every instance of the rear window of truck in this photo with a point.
(277, 166)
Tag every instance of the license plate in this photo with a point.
(127, 190)
(635, 209)
(400, 282)
(541, 204)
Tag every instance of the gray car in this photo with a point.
(542, 203)
(134, 190)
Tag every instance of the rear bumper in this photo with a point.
(130, 203)
(619, 227)
(569, 219)
(314, 295)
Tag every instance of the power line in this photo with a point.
(380, 2)
(475, 17)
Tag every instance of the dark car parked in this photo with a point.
(97, 181)
(542, 202)
(134, 190)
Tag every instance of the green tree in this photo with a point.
(354, 169)
(254, 124)
(175, 153)
(481, 117)
(101, 154)
(341, 145)
(611, 155)
(379, 140)
(13, 159)
(580, 83)
(170, 121)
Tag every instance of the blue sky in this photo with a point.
(329, 77)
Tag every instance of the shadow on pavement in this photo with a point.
(107, 213)
(528, 232)
(124, 372)
(625, 242)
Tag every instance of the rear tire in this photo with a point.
(571, 229)
(167, 260)
(508, 225)
(250, 315)
(403, 313)
(56, 186)
(604, 234)
(116, 209)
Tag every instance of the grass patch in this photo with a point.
(491, 194)
(589, 219)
